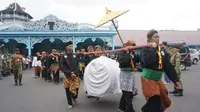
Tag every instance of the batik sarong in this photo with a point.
(72, 84)
(151, 88)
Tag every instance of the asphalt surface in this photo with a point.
(36, 95)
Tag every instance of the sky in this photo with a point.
(143, 14)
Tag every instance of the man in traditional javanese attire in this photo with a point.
(54, 64)
(154, 63)
(37, 64)
(89, 58)
(97, 48)
(81, 58)
(17, 66)
(70, 68)
(127, 62)
(42, 67)
(45, 67)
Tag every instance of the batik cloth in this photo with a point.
(72, 84)
(151, 88)
(127, 81)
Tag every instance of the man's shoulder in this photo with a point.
(146, 50)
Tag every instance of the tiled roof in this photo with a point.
(18, 9)
(139, 36)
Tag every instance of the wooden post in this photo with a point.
(117, 32)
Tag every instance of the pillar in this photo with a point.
(29, 46)
(74, 45)
(113, 43)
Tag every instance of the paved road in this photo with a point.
(36, 95)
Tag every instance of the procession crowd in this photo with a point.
(155, 60)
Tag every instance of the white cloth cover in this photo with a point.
(101, 77)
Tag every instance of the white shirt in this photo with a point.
(36, 62)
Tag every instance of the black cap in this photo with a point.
(165, 43)
(69, 43)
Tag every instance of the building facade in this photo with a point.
(49, 33)
(18, 30)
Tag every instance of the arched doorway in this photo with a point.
(3, 49)
(11, 46)
(90, 42)
(47, 46)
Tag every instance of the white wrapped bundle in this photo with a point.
(101, 77)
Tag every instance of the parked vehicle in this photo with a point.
(199, 54)
(194, 56)
(184, 51)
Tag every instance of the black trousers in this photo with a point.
(126, 102)
(56, 76)
(81, 73)
(153, 105)
(49, 75)
(27, 66)
(70, 96)
(44, 73)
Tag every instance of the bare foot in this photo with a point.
(70, 107)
